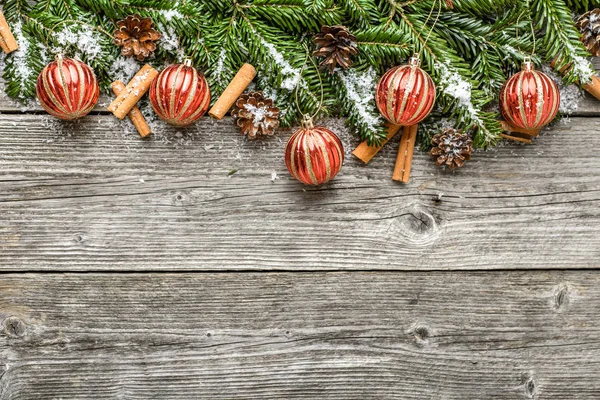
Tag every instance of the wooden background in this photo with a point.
(191, 265)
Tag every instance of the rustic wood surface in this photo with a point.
(91, 197)
(353, 335)
(473, 285)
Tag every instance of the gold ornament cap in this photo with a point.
(527, 64)
(415, 60)
(307, 122)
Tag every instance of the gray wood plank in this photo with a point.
(496, 335)
(93, 197)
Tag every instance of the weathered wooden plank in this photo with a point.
(498, 335)
(94, 198)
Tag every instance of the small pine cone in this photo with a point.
(589, 27)
(337, 45)
(451, 148)
(255, 116)
(137, 36)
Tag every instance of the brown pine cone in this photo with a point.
(451, 148)
(589, 27)
(337, 45)
(255, 116)
(137, 36)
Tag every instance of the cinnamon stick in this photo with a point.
(7, 39)
(509, 128)
(593, 87)
(135, 115)
(365, 153)
(516, 138)
(236, 87)
(133, 92)
(405, 154)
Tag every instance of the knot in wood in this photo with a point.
(421, 334)
(416, 224)
(530, 386)
(14, 327)
(561, 296)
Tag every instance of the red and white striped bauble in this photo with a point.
(180, 94)
(529, 99)
(314, 154)
(405, 94)
(67, 88)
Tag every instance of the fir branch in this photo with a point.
(357, 93)
(381, 48)
(561, 40)
(293, 15)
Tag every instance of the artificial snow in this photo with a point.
(124, 68)
(292, 75)
(218, 72)
(169, 40)
(170, 14)
(260, 115)
(452, 84)
(19, 57)
(85, 41)
(360, 88)
(569, 95)
(581, 66)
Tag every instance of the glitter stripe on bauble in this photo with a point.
(405, 94)
(67, 88)
(180, 94)
(529, 99)
(314, 155)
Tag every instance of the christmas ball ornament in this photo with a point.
(529, 99)
(180, 94)
(67, 88)
(405, 94)
(314, 154)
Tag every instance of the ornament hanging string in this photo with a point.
(308, 117)
(532, 32)
(437, 17)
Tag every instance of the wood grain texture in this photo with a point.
(90, 197)
(461, 335)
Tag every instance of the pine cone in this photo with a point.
(589, 27)
(255, 115)
(137, 36)
(451, 148)
(337, 45)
